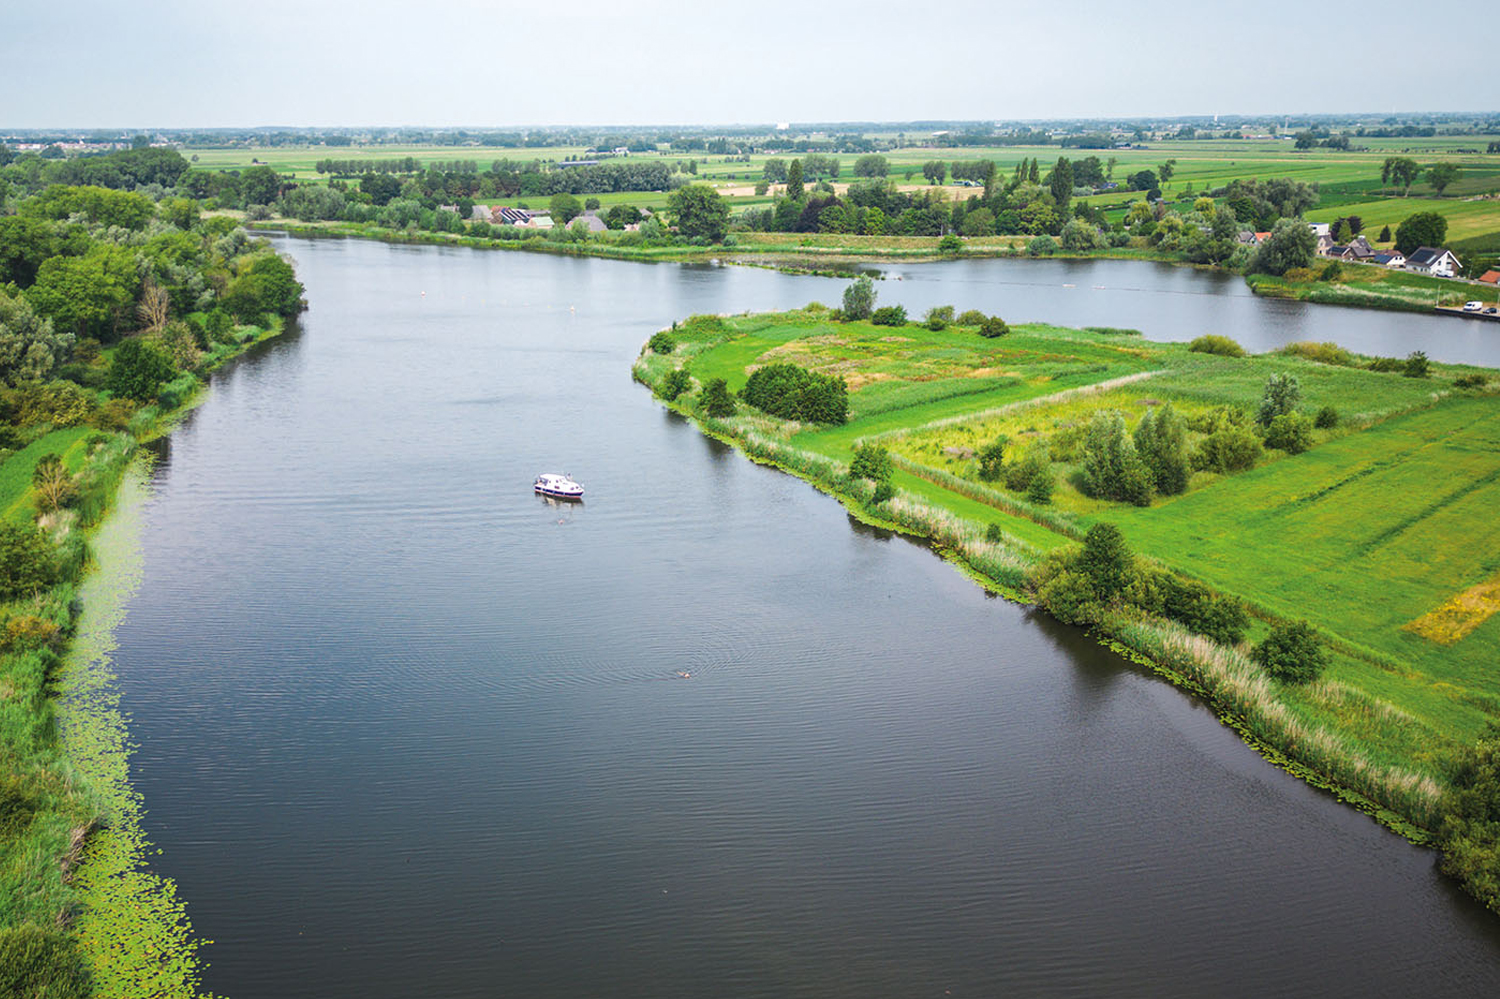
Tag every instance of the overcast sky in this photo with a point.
(182, 63)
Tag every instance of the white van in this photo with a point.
(1473, 306)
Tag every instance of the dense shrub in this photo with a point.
(889, 315)
(1194, 605)
(139, 370)
(1386, 364)
(1106, 561)
(1041, 246)
(1041, 483)
(1470, 381)
(970, 317)
(662, 343)
(950, 244)
(1291, 653)
(26, 560)
(1231, 445)
(993, 326)
(883, 491)
(859, 298)
(1111, 467)
(1213, 343)
(1327, 418)
(795, 393)
(1282, 394)
(938, 317)
(673, 384)
(52, 482)
(1469, 831)
(1416, 365)
(176, 392)
(1290, 432)
(1071, 599)
(992, 460)
(716, 401)
(1332, 272)
(873, 462)
(55, 404)
(1322, 353)
(1113, 331)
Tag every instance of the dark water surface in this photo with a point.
(407, 730)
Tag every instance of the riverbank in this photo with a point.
(1393, 490)
(83, 916)
(835, 254)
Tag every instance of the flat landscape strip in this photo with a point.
(1011, 407)
(1459, 615)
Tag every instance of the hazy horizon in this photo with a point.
(649, 63)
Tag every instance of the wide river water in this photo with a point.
(407, 730)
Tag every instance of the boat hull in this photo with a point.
(557, 494)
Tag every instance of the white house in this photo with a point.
(1394, 259)
(1429, 260)
(1321, 229)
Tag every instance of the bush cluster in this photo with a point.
(795, 393)
(1213, 343)
(673, 384)
(889, 315)
(662, 343)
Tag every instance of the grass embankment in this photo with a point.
(79, 914)
(1379, 534)
(1369, 286)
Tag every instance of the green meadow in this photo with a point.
(1380, 534)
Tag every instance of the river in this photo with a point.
(406, 729)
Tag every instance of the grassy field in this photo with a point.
(1380, 534)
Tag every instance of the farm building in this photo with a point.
(1430, 260)
(1490, 277)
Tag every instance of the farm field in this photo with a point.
(1380, 534)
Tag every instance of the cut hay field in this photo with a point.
(1381, 534)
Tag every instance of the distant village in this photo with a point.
(1430, 260)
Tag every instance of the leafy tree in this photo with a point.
(1421, 229)
(794, 180)
(873, 462)
(90, 295)
(620, 216)
(1291, 244)
(589, 205)
(1078, 236)
(260, 185)
(1041, 484)
(1142, 180)
(1061, 182)
(871, 165)
(564, 208)
(24, 243)
(1289, 432)
(935, 171)
(992, 460)
(1400, 170)
(774, 171)
(1416, 365)
(1106, 561)
(125, 209)
(1161, 441)
(381, 187)
(139, 370)
(266, 283)
(717, 402)
(1291, 653)
(700, 212)
(859, 298)
(30, 349)
(1166, 169)
(795, 393)
(26, 561)
(674, 383)
(1282, 395)
(1111, 467)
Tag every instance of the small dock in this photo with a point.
(1457, 310)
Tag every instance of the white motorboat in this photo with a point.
(559, 486)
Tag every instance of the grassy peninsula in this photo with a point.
(1304, 537)
(114, 308)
